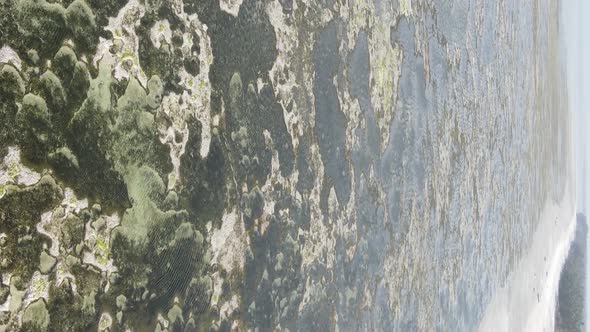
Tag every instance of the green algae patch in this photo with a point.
(162, 250)
(20, 210)
(134, 97)
(64, 160)
(204, 179)
(67, 311)
(42, 24)
(186, 231)
(171, 201)
(4, 292)
(80, 84)
(96, 109)
(103, 9)
(98, 136)
(45, 194)
(198, 294)
(135, 132)
(13, 89)
(81, 23)
(35, 127)
(174, 314)
(36, 315)
(13, 86)
(63, 63)
(146, 189)
(45, 25)
(91, 127)
(52, 91)
(72, 231)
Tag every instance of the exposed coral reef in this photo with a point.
(184, 165)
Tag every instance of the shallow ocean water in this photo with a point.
(477, 146)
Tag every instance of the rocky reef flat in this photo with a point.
(293, 165)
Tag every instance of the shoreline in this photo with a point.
(531, 289)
